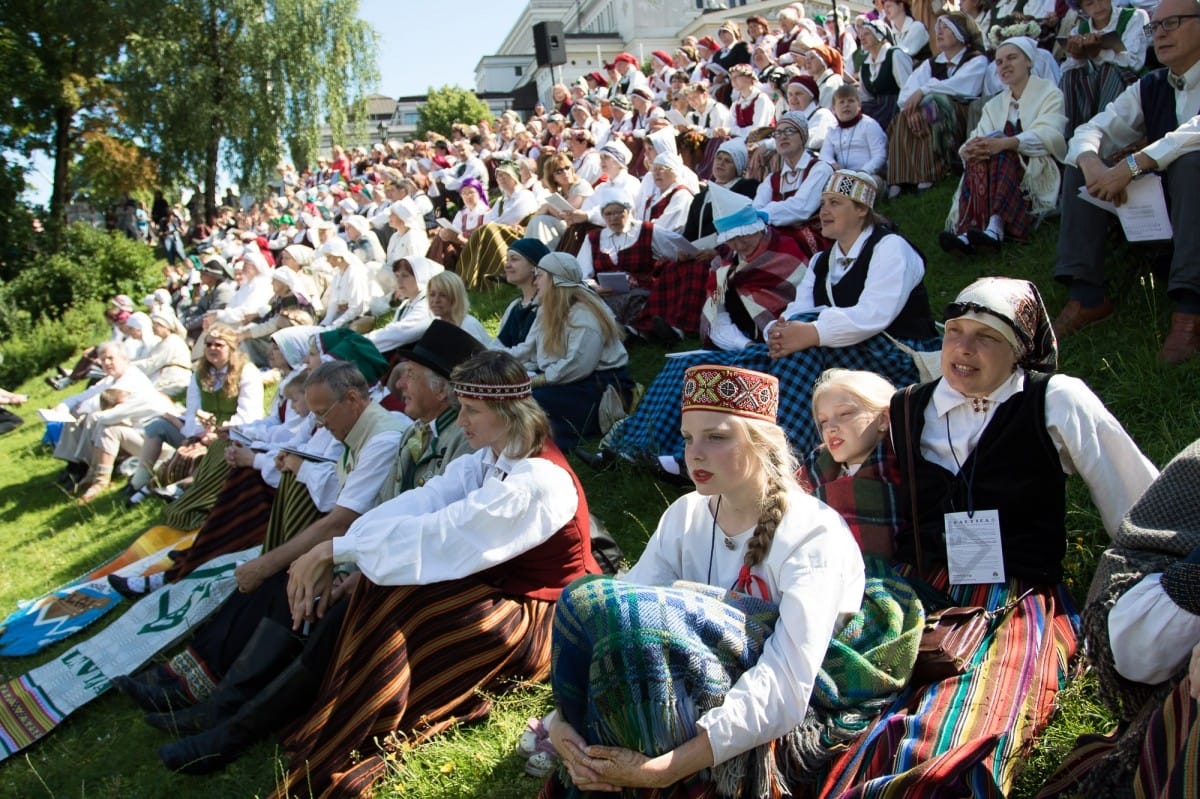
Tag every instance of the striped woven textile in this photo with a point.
(411, 660)
(1170, 764)
(966, 736)
(292, 511)
(1087, 90)
(237, 521)
(484, 254)
(192, 509)
(926, 159)
(654, 427)
(994, 187)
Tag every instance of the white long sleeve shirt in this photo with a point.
(1151, 636)
(361, 490)
(410, 322)
(862, 147)
(350, 287)
(802, 205)
(963, 82)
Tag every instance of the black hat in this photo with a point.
(443, 347)
(217, 266)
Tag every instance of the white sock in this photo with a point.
(995, 227)
(141, 477)
(669, 464)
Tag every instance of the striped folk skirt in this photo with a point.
(238, 520)
(192, 509)
(484, 253)
(1087, 90)
(926, 158)
(411, 660)
(966, 736)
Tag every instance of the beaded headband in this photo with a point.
(482, 391)
(858, 186)
(728, 389)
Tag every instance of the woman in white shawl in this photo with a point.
(1011, 174)
(412, 275)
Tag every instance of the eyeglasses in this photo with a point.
(785, 133)
(320, 417)
(1167, 24)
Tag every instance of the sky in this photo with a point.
(412, 55)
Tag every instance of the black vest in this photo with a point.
(915, 319)
(941, 69)
(1016, 471)
(884, 83)
(1158, 104)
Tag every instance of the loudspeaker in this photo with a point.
(548, 44)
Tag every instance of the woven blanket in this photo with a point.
(66, 610)
(32, 705)
(637, 666)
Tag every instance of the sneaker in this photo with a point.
(136, 587)
(535, 732)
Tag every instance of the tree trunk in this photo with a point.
(60, 194)
(210, 175)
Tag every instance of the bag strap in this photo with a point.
(912, 480)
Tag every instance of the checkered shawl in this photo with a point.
(765, 284)
(637, 666)
(654, 427)
(869, 500)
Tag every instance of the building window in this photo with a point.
(518, 71)
(411, 118)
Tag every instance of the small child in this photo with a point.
(858, 142)
(854, 470)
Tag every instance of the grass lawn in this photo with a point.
(104, 749)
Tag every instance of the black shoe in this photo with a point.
(982, 240)
(954, 245)
(272, 707)
(153, 697)
(600, 461)
(651, 464)
(664, 333)
(58, 383)
(136, 587)
(72, 475)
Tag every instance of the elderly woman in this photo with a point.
(1010, 162)
(800, 94)
(288, 306)
(933, 106)
(567, 189)
(518, 523)
(349, 294)
(997, 403)
(362, 239)
(884, 71)
(110, 417)
(503, 224)
(169, 363)
(449, 241)
(791, 195)
(751, 107)
(253, 292)
(1106, 51)
(867, 287)
(704, 670)
(824, 65)
(667, 195)
(448, 302)
(573, 351)
(413, 316)
(728, 169)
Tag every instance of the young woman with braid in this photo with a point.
(704, 671)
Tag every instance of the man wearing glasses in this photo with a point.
(1162, 108)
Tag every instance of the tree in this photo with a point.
(238, 81)
(56, 63)
(447, 105)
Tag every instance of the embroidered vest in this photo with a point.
(915, 319)
(776, 179)
(543, 572)
(1016, 470)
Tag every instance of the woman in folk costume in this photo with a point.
(1106, 52)
(448, 244)
(824, 65)
(791, 195)
(504, 223)
(751, 108)
(490, 543)
(732, 51)
(884, 71)
(854, 471)
(933, 106)
(1010, 162)
(1142, 625)
(870, 283)
(911, 35)
(801, 95)
(756, 280)
(413, 316)
(959, 441)
(728, 170)
(728, 661)
(673, 186)
(659, 285)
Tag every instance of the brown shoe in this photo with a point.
(1075, 317)
(1183, 342)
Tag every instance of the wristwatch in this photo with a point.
(1134, 169)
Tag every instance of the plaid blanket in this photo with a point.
(637, 666)
(868, 500)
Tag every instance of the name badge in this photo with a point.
(973, 551)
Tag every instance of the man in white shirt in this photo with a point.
(1164, 108)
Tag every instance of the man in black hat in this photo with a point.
(268, 683)
(216, 275)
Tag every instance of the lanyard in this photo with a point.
(970, 478)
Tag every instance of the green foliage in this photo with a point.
(445, 106)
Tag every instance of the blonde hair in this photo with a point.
(524, 420)
(769, 444)
(450, 284)
(205, 371)
(556, 304)
(871, 390)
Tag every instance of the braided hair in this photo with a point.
(770, 445)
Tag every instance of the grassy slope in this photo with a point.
(105, 751)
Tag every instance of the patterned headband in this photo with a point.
(482, 391)
(728, 389)
(858, 186)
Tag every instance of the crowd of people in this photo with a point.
(411, 467)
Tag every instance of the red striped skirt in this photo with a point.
(238, 520)
(411, 660)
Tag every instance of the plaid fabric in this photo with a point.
(870, 500)
(994, 187)
(765, 285)
(677, 296)
(966, 736)
(1087, 90)
(807, 236)
(636, 666)
(654, 427)
(925, 159)
(637, 259)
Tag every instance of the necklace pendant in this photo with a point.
(730, 544)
